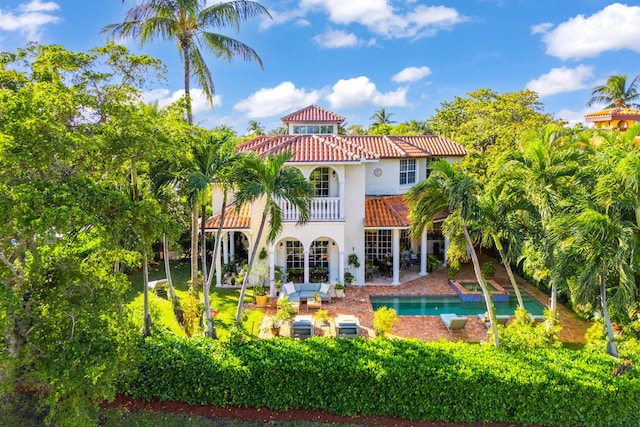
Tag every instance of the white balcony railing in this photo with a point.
(320, 209)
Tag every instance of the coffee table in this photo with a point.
(312, 303)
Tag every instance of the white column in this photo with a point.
(306, 266)
(342, 196)
(395, 237)
(272, 275)
(341, 267)
(423, 254)
(232, 246)
(225, 247)
(446, 248)
(218, 269)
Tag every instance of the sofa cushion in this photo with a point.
(324, 288)
(313, 287)
(306, 294)
(289, 288)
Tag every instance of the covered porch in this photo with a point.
(390, 252)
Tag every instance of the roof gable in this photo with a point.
(313, 114)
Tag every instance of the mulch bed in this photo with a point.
(265, 415)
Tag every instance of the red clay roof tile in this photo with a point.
(313, 114)
(233, 219)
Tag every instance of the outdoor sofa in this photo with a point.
(298, 292)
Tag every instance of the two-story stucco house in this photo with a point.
(358, 206)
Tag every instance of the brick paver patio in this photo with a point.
(430, 328)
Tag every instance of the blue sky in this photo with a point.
(357, 56)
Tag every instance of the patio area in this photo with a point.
(427, 328)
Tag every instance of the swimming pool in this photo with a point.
(436, 305)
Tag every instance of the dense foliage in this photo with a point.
(404, 378)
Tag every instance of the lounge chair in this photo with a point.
(158, 286)
(302, 327)
(347, 326)
(502, 319)
(453, 322)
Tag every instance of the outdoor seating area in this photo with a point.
(158, 287)
(501, 319)
(298, 292)
(427, 328)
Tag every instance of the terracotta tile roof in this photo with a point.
(313, 114)
(389, 211)
(233, 219)
(352, 148)
(385, 211)
(617, 113)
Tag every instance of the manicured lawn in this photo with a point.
(222, 299)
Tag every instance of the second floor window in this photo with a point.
(407, 171)
(320, 180)
(312, 129)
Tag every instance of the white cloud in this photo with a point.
(411, 74)
(29, 18)
(38, 6)
(613, 28)
(561, 79)
(360, 91)
(541, 28)
(199, 102)
(268, 102)
(379, 16)
(336, 38)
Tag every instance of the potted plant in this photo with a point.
(339, 287)
(348, 278)
(316, 297)
(286, 311)
(260, 295)
(322, 316)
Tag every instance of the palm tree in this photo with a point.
(255, 128)
(616, 93)
(543, 173)
(599, 243)
(186, 22)
(224, 169)
(381, 117)
(449, 188)
(272, 180)
(495, 225)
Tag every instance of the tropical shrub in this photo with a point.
(525, 334)
(488, 269)
(411, 379)
(383, 320)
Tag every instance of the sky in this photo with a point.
(355, 57)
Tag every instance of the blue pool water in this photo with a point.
(436, 305)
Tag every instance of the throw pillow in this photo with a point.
(289, 288)
(324, 289)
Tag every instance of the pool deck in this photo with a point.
(430, 328)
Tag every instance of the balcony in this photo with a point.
(320, 209)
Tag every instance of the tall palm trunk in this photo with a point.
(194, 248)
(203, 247)
(485, 291)
(254, 250)
(507, 267)
(167, 269)
(612, 348)
(209, 326)
(146, 327)
(187, 85)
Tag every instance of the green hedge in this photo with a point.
(403, 378)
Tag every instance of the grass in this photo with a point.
(224, 300)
